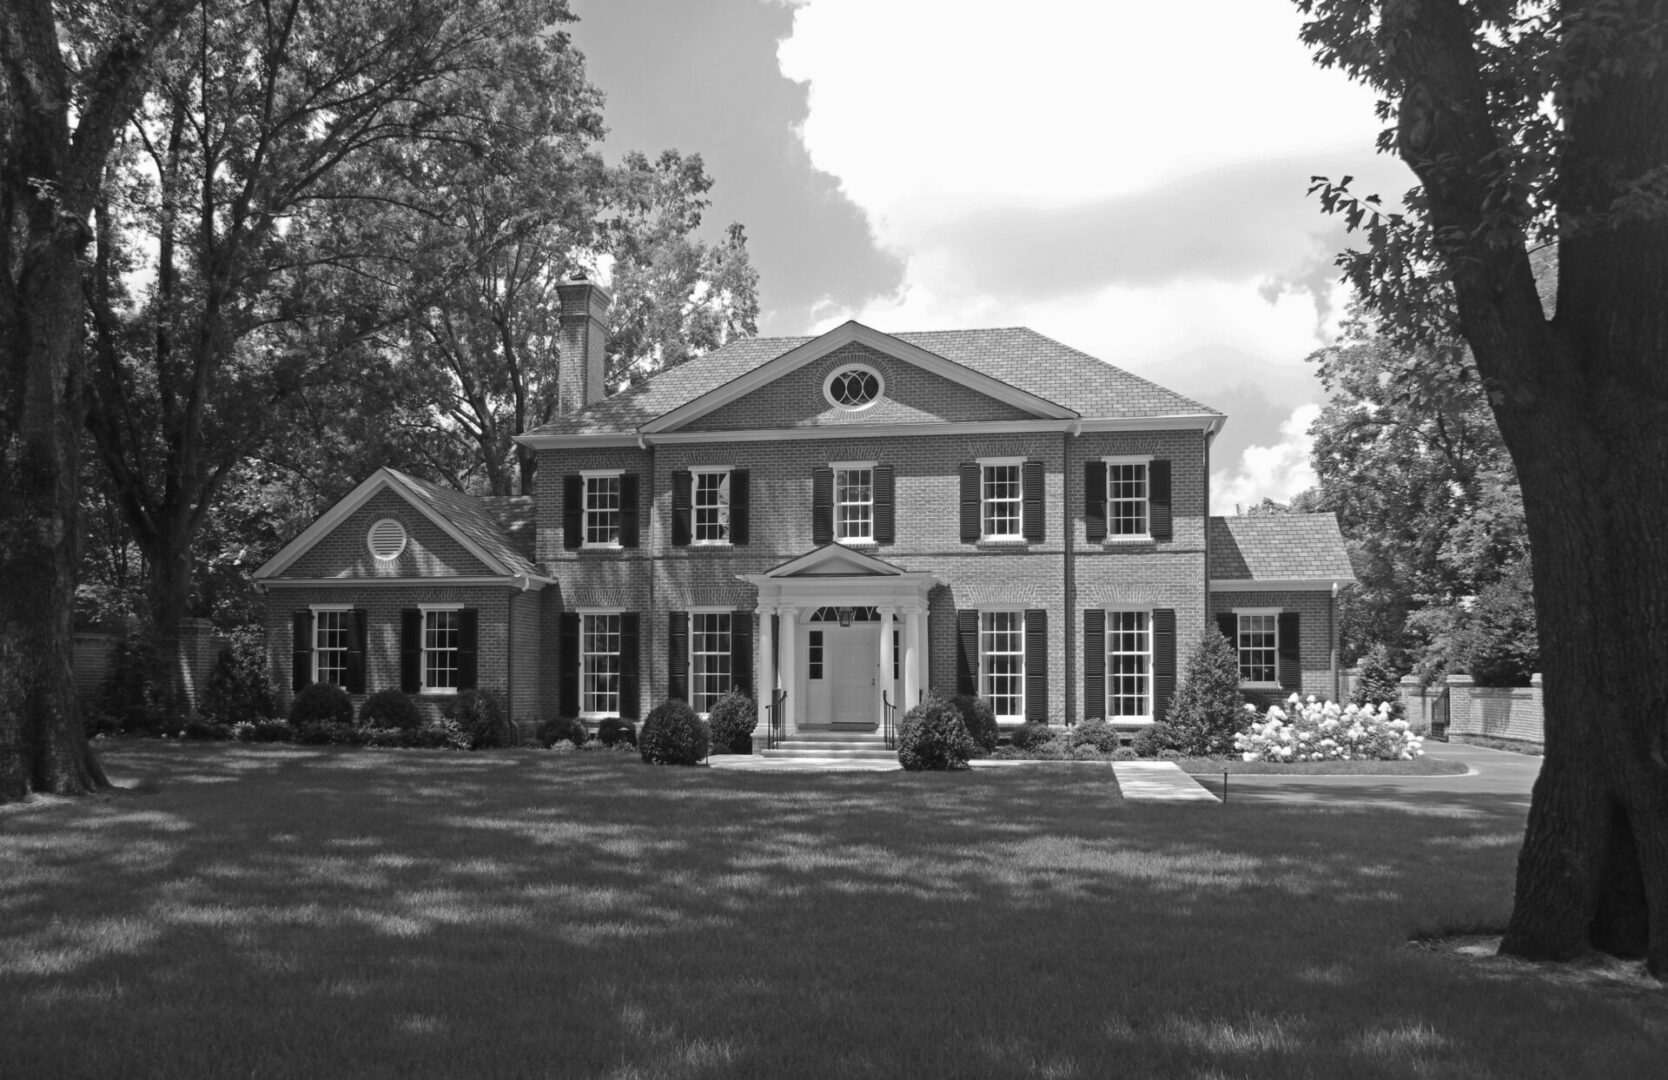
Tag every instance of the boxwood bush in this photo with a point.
(932, 736)
(559, 729)
(390, 708)
(320, 703)
(673, 735)
(1151, 741)
(1097, 734)
(1031, 734)
(733, 719)
(613, 731)
(480, 715)
(979, 720)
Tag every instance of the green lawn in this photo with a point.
(280, 911)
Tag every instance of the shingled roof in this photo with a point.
(1278, 547)
(1016, 355)
(483, 520)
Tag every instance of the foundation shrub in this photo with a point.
(561, 729)
(1097, 734)
(733, 719)
(263, 731)
(673, 735)
(390, 708)
(320, 703)
(613, 731)
(206, 731)
(932, 736)
(1207, 710)
(1125, 753)
(1152, 741)
(1031, 734)
(480, 716)
(979, 720)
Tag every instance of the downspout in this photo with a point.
(1332, 637)
(1068, 540)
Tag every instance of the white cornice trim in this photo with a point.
(520, 581)
(847, 333)
(1277, 584)
(352, 501)
(1209, 422)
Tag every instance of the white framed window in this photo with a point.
(330, 643)
(1258, 644)
(853, 387)
(1129, 666)
(710, 503)
(709, 658)
(1000, 496)
(813, 656)
(599, 663)
(854, 501)
(1127, 490)
(602, 508)
(1002, 663)
(441, 638)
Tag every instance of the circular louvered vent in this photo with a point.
(386, 539)
(852, 388)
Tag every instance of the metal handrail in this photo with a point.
(775, 720)
(888, 714)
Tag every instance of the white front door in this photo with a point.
(840, 666)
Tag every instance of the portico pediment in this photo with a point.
(834, 560)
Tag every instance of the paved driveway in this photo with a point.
(1498, 782)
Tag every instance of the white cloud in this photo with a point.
(1276, 472)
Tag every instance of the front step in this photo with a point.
(838, 745)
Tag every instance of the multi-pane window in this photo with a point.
(1129, 646)
(599, 665)
(1126, 498)
(709, 658)
(1002, 662)
(854, 504)
(440, 650)
(896, 666)
(1259, 648)
(330, 646)
(711, 497)
(1000, 504)
(602, 510)
(813, 658)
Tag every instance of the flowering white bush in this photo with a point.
(1325, 731)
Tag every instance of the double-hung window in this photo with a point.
(710, 505)
(1129, 665)
(709, 658)
(442, 636)
(1127, 493)
(1002, 663)
(330, 644)
(599, 664)
(1001, 495)
(602, 509)
(854, 501)
(1258, 643)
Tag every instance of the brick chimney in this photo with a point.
(583, 345)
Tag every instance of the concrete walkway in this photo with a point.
(1158, 781)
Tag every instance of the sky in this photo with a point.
(1127, 177)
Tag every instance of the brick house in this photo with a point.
(853, 518)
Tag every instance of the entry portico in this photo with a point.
(829, 648)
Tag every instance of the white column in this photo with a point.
(883, 677)
(790, 668)
(766, 689)
(912, 656)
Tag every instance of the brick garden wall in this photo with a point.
(1498, 712)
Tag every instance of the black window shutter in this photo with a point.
(1036, 666)
(741, 651)
(567, 663)
(469, 638)
(631, 678)
(1094, 664)
(1291, 655)
(967, 651)
(972, 525)
(1164, 661)
(1228, 623)
(886, 527)
(301, 645)
(739, 503)
(1158, 499)
(628, 510)
(677, 656)
(682, 512)
(1031, 493)
(822, 506)
(411, 650)
(1094, 499)
(573, 510)
(353, 679)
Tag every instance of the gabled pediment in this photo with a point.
(834, 560)
(894, 349)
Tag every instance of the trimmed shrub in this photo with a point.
(561, 729)
(1208, 710)
(480, 716)
(733, 719)
(263, 731)
(613, 731)
(442, 734)
(1095, 733)
(673, 735)
(390, 708)
(1087, 752)
(1151, 741)
(238, 690)
(1125, 753)
(932, 736)
(979, 720)
(320, 703)
(331, 733)
(1379, 682)
(1031, 734)
(205, 731)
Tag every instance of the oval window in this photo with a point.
(386, 539)
(854, 387)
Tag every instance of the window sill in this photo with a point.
(856, 542)
(1261, 686)
(441, 691)
(1131, 539)
(1009, 542)
(705, 545)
